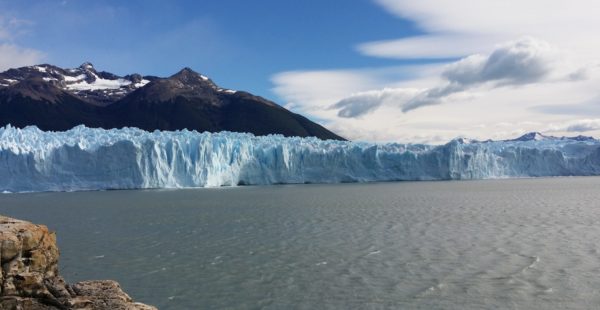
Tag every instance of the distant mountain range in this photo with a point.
(536, 136)
(528, 137)
(58, 99)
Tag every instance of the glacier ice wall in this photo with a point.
(89, 159)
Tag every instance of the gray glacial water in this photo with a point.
(509, 244)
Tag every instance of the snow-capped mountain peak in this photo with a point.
(532, 136)
(101, 88)
(536, 136)
(85, 82)
(87, 66)
(192, 79)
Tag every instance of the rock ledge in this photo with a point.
(30, 280)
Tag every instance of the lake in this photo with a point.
(510, 244)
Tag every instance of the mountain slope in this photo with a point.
(53, 98)
(37, 102)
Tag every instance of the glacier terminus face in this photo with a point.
(95, 159)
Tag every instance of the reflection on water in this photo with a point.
(432, 245)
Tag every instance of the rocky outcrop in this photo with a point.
(30, 279)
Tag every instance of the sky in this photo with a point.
(422, 71)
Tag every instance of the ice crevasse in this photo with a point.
(92, 159)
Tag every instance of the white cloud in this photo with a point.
(472, 24)
(520, 62)
(523, 61)
(584, 125)
(482, 112)
(365, 102)
(318, 89)
(11, 54)
(314, 92)
(581, 125)
(550, 76)
(430, 46)
(491, 16)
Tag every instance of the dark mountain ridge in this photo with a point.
(58, 99)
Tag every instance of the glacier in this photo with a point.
(129, 158)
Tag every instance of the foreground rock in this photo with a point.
(30, 279)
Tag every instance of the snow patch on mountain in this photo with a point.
(142, 83)
(40, 68)
(98, 84)
(85, 82)
(78, 78)
(101, 88)
(227, 91)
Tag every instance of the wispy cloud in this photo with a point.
(15, 56)
(519, 62)
(462, 26)
(316, 90)
(515, 63)
(12, 27)
(550, 76)
(580, 125)
(430, 46)
(11, 54)
(362, 103)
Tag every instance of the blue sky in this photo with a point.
(240, 44)
(377, 70)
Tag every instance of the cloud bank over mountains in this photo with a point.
(518, 62)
